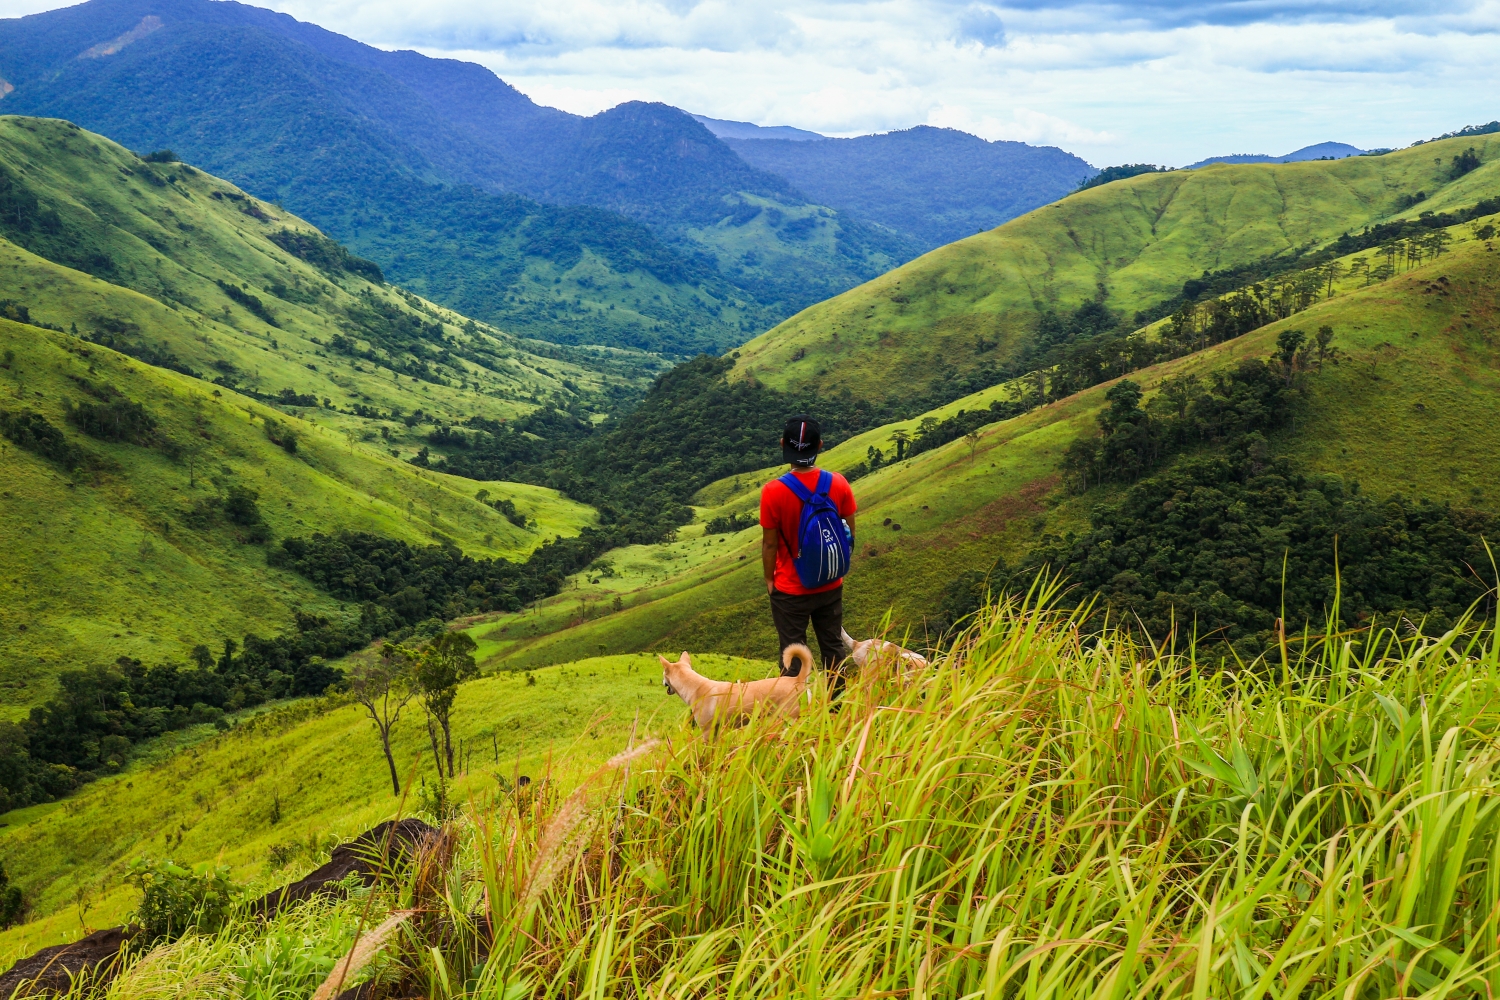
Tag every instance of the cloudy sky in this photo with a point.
(1169, 81)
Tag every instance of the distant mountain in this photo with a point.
(935, 184)
(1319, 151)
(746, 130)
(434, 168)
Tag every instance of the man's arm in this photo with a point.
(852, 531)
(769, 540)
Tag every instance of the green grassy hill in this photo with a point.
(106, 560)
(170, 289)
(125, 545)
(1035, 809)
(1404, 411)
(269, 795)
(1131, 244)
(183, 270)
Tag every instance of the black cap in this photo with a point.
(801, 439)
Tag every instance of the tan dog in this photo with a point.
(878, 651)
(716, 703)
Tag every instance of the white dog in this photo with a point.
(715, 703)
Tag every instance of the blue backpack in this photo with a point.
(822, 537)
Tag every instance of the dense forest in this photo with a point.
(1219, 546)
(1216, 539)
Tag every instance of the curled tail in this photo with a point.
(797, 651)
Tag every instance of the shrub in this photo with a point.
(12, 903)
(177, 900)
(237, 506)
(116, 419)
(32, 432)
(326, 255)
(251, 303)
(730, 524)
(280, 434)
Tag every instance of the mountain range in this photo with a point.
(636, 227)
(936, 185)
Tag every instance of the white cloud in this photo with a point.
(1167, 81)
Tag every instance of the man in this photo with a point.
(793, 605)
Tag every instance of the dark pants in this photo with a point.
(792, 612)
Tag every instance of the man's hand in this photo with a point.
(770, 540)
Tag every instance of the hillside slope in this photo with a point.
(1405, 410)
(181, 269)
(300, 379)
(132, 550)
(975, 305)
(269, 796)
(405, 158)
(934, 184)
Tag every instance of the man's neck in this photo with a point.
(804, 468)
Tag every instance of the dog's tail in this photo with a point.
(797, 651)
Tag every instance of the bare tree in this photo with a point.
(384, 686)
(972, 440)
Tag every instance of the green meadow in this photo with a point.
(273, 794)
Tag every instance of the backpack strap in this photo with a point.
(791, 482)
(802, 493)
(825, 482)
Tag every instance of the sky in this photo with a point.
(1160, 81)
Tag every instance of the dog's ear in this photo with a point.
(664, 661)
(686, 661)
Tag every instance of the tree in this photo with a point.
(972, 440)
(1322, 342)
(1177, 393)
(1333, 270)
(1359, 270)
(441, 666)
(900, 438)
(1288, 343)
(384, 687)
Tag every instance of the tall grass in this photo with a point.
(1044, 813)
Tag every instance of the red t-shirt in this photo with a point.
(781, 511)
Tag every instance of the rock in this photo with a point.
(52, 971)
(387, 847)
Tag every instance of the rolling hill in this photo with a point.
(436, 169)
(973, 308)
(224, 360)
(936, 185)
(1401, 413)
(184, 270)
